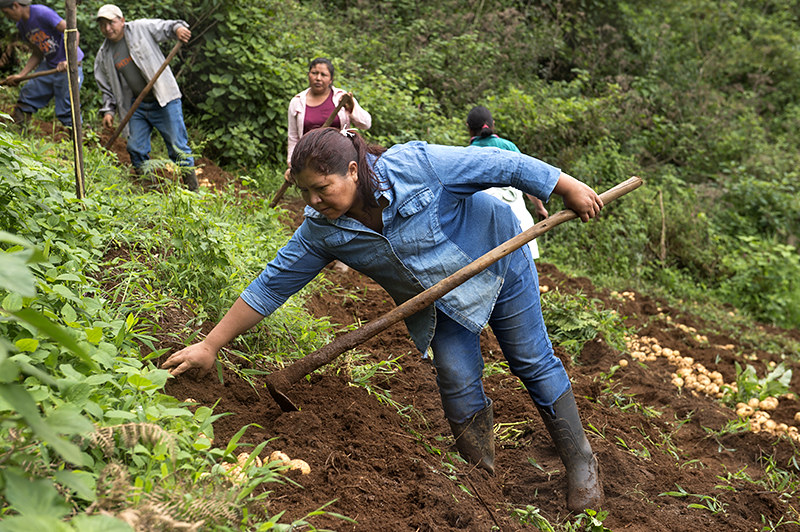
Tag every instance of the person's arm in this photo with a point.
(358, 116)
(33, 62)
(578, 196)
(61, 27)
(163, 30)
(240, 318)
(296, 264)
(293, 132)
(538, 207)
(109, 106)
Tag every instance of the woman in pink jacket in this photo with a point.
(309, 109)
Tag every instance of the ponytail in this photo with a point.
(480, 122)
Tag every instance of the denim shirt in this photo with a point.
(142, 37)
(433, 226)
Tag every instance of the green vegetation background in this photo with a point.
(699, 98)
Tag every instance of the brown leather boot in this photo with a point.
(475, 438)
(584, 489)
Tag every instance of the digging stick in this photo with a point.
(71, 41)
(285, 378)
(142, 95)
(285, 185)
(32, 76)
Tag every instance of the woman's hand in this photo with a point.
(579, 197)
(349, 103)
(108, 120)
(199, 355)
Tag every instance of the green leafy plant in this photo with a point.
(748, 385)
(574, 320)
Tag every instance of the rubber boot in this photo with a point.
(21, 117)
(475, 438)
(190, 180)
(584, 489)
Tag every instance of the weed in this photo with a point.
(707, 502)
(573, 320)
(530, 515)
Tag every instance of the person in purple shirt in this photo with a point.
(408, 217)
(43, 30)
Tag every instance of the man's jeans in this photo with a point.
(168, 120)
(520, 330)
(36, 93)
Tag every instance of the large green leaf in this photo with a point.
(15, 275)
(55, 332)
(34, 497)
(23, 403)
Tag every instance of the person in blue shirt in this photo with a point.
(408, 217)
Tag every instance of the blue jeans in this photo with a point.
(168, 120)
(520, 330)
(38, 92)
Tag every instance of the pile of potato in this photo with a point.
(758, 414)
(237, 474)
(236, 471)
(696, 377)
(294, 465)
(689, 374)
(630, 296)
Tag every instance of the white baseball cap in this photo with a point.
(110, 12)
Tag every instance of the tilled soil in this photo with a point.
(387, 471)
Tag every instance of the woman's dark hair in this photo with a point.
(479, 122)
(321, 61)
(327, 151)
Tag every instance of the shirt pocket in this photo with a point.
(418, 217)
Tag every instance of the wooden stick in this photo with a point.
(32, 76)
(71, 42)
(285, 378)
(142, 95)
(279, 194)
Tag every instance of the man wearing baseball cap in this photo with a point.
(43, 30)
(126, 62)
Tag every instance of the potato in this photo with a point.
(753, 402)
(279, 456)
(797, 417)
(769, 403)
(299, 464)
(623, 363)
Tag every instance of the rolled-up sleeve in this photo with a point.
(466, 170)
(295, 265)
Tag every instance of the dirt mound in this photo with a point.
(387, 471)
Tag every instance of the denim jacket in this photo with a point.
(142, 37)
(434, 225)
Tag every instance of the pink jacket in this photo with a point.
(297, 113)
